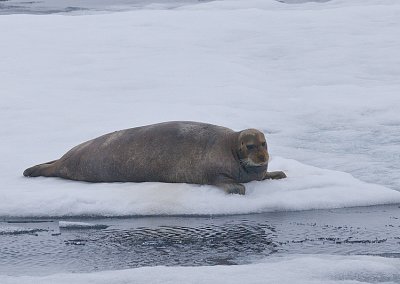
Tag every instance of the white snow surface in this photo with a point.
(297, 269)
(321, 80)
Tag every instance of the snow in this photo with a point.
(320, 79)
(294, 269)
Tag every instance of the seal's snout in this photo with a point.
(262, 164)
(262, 158)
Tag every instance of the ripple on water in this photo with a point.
(179, 245)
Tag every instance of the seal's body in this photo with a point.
(174, 152)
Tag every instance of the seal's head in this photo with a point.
(253, 151)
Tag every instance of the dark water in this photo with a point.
(44, 248)
(82, 6)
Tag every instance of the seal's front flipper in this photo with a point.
(275, 175)
(232, 188)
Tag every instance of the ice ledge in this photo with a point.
(306, 187)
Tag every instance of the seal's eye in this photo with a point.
(250, 147)
(263, 144)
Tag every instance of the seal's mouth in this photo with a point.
(263, 164)
(252, 167)
(250, 163)
(257, 169)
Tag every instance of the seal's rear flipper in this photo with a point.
(45, 170)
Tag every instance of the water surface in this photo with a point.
(40, 246)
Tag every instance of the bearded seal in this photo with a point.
(172, 152)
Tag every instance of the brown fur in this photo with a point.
(174, 152)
